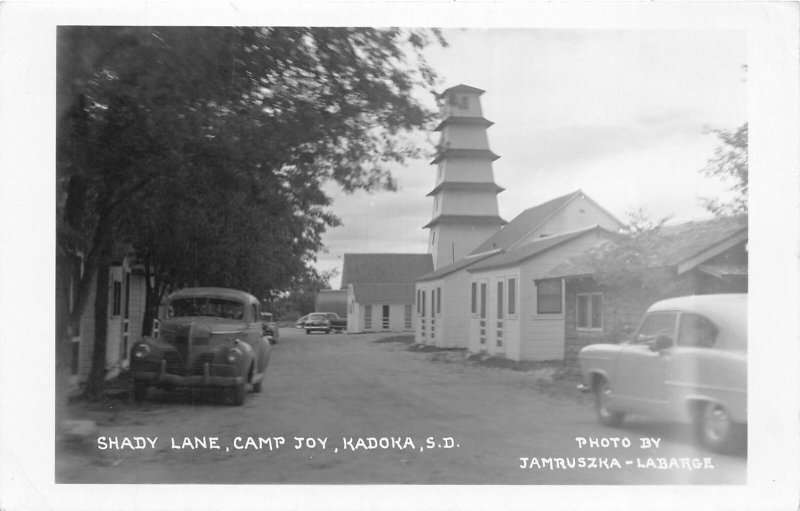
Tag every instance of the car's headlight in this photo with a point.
(141, 351)
(234, 354)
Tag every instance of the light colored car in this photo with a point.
(208, 337)
(686, 362)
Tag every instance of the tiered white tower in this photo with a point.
(465, 196)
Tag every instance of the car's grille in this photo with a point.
(174, 363)
(181, 342)
(200, 361)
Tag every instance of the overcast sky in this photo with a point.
(619, 114)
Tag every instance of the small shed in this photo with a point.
(332, 300)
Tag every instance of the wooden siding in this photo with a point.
(466, 170)
(460, 239)
(396, 318)
(472, 136)
(468, 202)
(530, 336)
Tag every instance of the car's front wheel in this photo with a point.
(139, 390)
(716, 429)
(605, 415)
(236, 394)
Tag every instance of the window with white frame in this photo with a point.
(499, 299)
(548, 297)
(474, 308)
(408, 317)
(438, 300)
(512, 296)
(589, 311)
(367, 317)
(483, 299)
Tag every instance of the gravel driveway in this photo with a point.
(361, 409)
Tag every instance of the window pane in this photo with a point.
(548, 294)
(597, 311)
(483, 300)
(655, 324)
(512, 296)
(474, 297)
(499, 299)
(583, 311)
(439, 301)
(423, 304)
(696, 331)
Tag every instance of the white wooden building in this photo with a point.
(380, 290)
(508, 314)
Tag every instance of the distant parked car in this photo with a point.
(300, 323)
(338, 324)
(317, 322)
(269, 327)
(687, 361)
(208, 337)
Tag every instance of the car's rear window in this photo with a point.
(204, 306)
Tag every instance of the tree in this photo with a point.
(730, 165)
(206, 149)
(302, 296)
(627, 267)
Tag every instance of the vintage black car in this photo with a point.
(208, 337)
(269, 327)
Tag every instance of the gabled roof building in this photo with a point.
(380, 290)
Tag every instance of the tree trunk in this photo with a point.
(149, 299)
(98, 373)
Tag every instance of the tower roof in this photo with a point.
(463, 88)
(455, 152)
(466, 219)
(489, 186)
(463, 119)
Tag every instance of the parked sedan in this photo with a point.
(687, 361)
(208, 337)
(317, 322)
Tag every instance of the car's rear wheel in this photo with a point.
(308, 331)
(605, 415)
(716, 429)
(139, 390)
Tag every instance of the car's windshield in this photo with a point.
(317, 317)
(657, 324)
(266, 316)
(204, 306)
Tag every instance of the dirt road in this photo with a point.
(347, 409)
